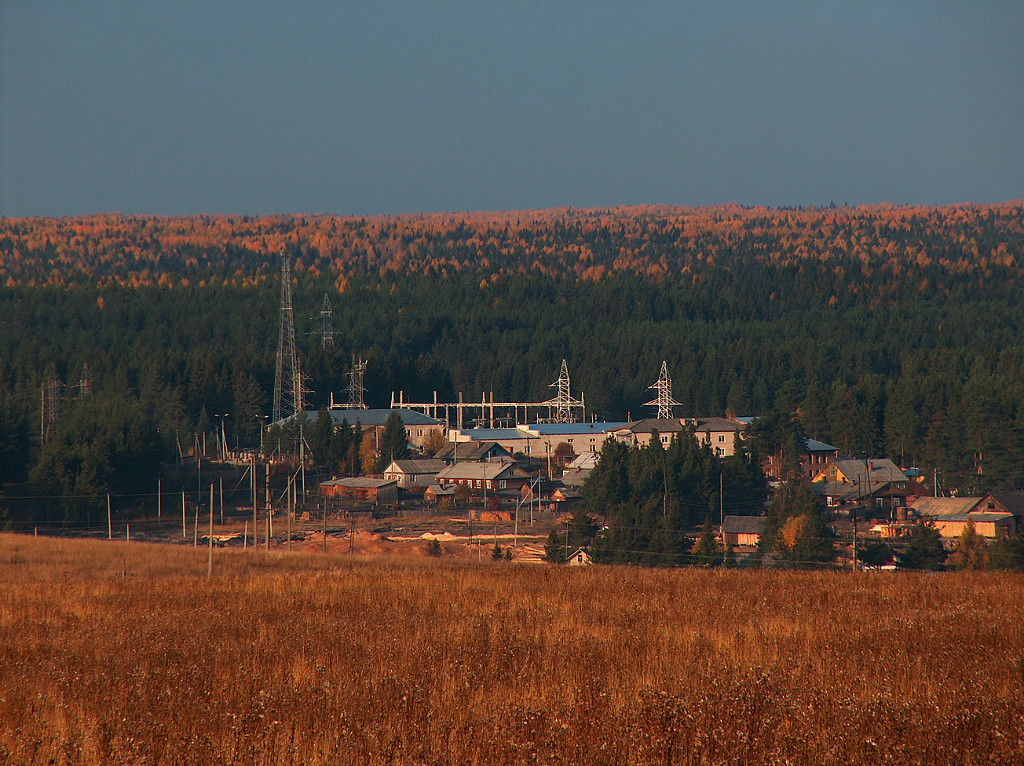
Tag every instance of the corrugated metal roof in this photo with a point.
(574, 429)
(743, 525)
(358, 482)
(944, 506)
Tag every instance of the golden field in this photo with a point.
(126, 653)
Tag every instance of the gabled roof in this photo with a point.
(743, 525)
(575, 478)
(477, 470)
(494, 434)
(472, 450)
(1012, 501)
(813, 445)
(587, 460)
(649, 425)
(572, 429)
(437, 489)
(945, 506)
(716, 425)
(414, 466)
(846, 492)
(877, 471)
(358, 482)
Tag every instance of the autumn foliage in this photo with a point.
(658, 241)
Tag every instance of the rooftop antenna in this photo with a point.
(663, 401)
(287, 401)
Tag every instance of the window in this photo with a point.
(489, 484)
(721, 437)
(501, 484)
(476, 483)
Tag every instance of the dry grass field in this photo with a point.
(127, 654)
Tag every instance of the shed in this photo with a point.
(381, 491)
(742, 530)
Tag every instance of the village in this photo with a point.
(518, 481)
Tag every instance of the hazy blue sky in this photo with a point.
(391, 107)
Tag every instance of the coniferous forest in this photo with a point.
(890, 331)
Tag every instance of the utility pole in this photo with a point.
(209, 555)
(721, 514)
(255, 505)
(291, 480)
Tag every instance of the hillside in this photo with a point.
(893, 331)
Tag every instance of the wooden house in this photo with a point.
(580, 558)
(742, 530)
(379, 491)
(414, 472)
(480, 477)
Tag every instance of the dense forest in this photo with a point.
(890, 330)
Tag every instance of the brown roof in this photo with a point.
(945, 506)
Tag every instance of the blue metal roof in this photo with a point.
(575, 429)
(493, 434)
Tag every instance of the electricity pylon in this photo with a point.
(563, 403)
(663, 401)
(291, 400)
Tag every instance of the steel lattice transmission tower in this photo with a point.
(326, 331)
(290, 401)
(51, 399)
(563, 403)
(663, 401)
(355, 385)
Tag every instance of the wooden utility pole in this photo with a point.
(288, 522)
(245, 534)
(209, 554)
(255, 503)
(195, 528)
(721, 514)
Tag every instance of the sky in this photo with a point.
(182, 108)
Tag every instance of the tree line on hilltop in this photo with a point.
(887, 331)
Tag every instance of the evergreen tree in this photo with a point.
(554, 551)
(394, 442)
(924, 551)
(707, 552)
